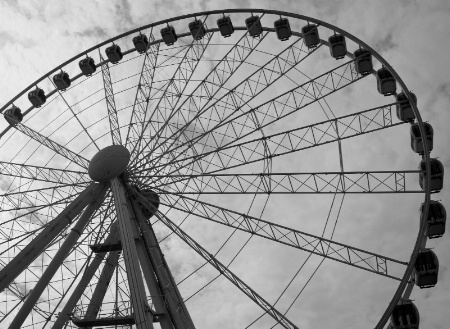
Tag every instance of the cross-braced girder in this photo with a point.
(44, 174)
(270, 230)
(110, 103)
(52, 145)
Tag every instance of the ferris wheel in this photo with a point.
(212, 167)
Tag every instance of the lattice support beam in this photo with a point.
(278, 107)
(110, 103)
(207, 90)
(174, 89)
(298, 139)
(297, 183)
(47, 142)
(45, 174)
(143, 93)
(317, 245)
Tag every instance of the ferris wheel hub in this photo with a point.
(109, 163)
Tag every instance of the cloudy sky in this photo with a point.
(36, 36)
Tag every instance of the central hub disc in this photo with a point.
(108, 163)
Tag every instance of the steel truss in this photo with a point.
(282, 106)
(298, 183)
(110, 102)
(44, 174)
(52, 145)
(308, 242)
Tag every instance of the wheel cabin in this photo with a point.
(61, 81)
(311, 35)
(87, 66)
(405, 316)
(114, 53)
(254, 26)
(168, 35)
(363, 61)
(140, 42)
(385, 82)
(13, 115)
(426, 269)
(37, 97)
(197, 29)
(225, 26)
(437, 175)
(283, 29)
(338, 46)
(405, 111)
(436, 219)
(417, 140)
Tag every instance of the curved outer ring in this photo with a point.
(426, 155)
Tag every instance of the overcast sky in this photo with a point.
(36, 36)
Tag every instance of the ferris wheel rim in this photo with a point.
(426, 154)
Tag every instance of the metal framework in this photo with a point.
(110, 102)
(214, 133)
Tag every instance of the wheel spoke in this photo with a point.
(174, 89)
(340, 252)
(74, 114)
(213, 83)
(295, 183)
(143, 93)
(295, 140)
(45, 174)
(287, 103)
(266, 75)
(57, 148)
(255, 297)
(110, 102)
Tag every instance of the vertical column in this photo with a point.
(177, 309)
(154, 287)
(143, 317)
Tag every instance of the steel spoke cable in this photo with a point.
(202, 110)
(321, 262)
(281, 116)
(289, 236)
(304, 263)
(224, 58)
(74, 114)
(157, 133)
(217, 252)
(138, 89)
(234, 257)
(205, 109)
(221, 268)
